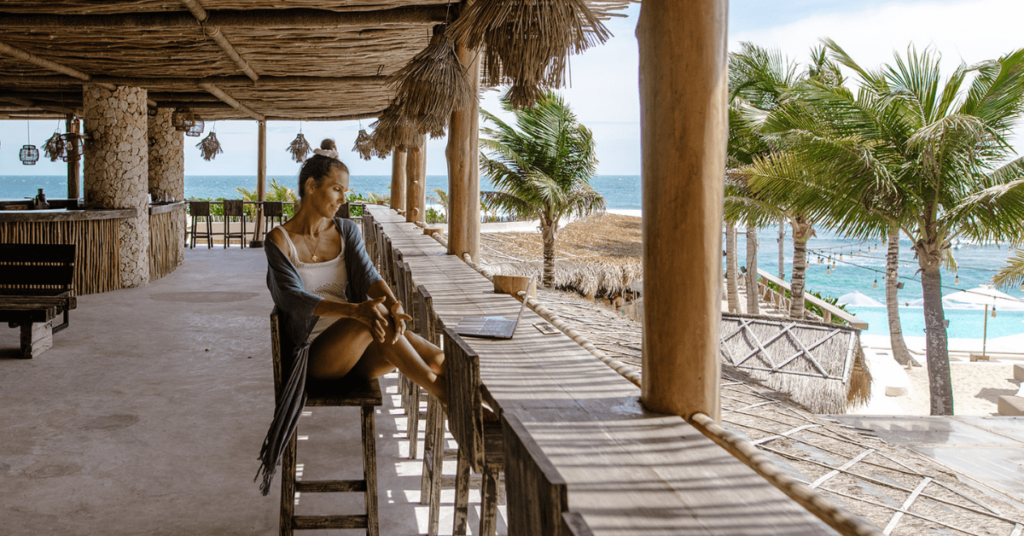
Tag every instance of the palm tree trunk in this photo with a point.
(940, 383)
(782, 249)
(892, 300)
(548, 234)
(731, 269)
(752, 307)
(802, 232)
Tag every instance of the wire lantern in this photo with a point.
(196, 128)
(73, 146)
(183, 119)
(28, 155)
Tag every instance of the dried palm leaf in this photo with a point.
(393, 130)
(527, 43)
(54, 147)
(433, 85)
(364, 145)
(299, 148)
(210, 146)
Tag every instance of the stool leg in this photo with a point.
(370, 471)
(433, 465)
(243, 230)
(209, 232)
(227, 230)
(414, 420)
(461, 494)
(192, 239)
(489, 501)
(288, 486)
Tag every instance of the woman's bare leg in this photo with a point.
(347, 347)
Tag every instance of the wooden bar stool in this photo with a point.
(335, 393)
(272, 210)
(481, 443)
(233, 209)
(200, 209)
(411, 394)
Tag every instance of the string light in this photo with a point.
(993, 311)
(875, 286)
(828, 271)
(956, 280)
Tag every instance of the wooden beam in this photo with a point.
(416, 180)
(71, 124)
(217, 92)
(16, 100)
(683, 94)
(261, 184)
(305, 19)
(463, 154)
(194, 84)
(213, 32)
(398, 179)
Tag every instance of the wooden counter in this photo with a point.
(60, 214)
(166, 238)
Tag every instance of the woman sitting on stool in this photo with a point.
(327, 290)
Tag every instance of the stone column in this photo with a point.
(117, 169)
(683, 98)
(167, 167)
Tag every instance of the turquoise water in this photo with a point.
(622, 192)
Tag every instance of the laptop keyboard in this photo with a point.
(495, 327)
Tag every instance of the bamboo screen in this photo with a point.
(97, 257)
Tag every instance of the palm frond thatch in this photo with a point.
(433, 85)
(363, 145)
(526, 44)
(54, 147)
(590, 278)
(210, 147)
(393, 130)
(299, 148)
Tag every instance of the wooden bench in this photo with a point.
(582, 456)
(36, 285)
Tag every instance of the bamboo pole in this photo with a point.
(74, 159)
(195, 84)
(230, 101)
(214, 33)
(683, 89)
(416, 179)
(398, 180)
(463, 156)
(261, 186)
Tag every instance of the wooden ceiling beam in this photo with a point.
(228, 99)
(29, 57)
(195, 84)
(304, 19)
(15, 100)
(213, 32)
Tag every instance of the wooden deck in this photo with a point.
(578, 442)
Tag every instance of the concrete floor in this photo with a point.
(147, 416)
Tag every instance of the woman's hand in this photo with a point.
(368, 313)
(400, 319)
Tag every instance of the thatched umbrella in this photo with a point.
(527, 43)
(393, 130)
(433, 85)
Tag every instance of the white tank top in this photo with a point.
(326, 279)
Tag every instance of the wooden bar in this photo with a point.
(166, 242)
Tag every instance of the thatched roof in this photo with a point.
(328, 59)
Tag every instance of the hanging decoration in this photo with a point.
(875, 285)
(210, 146)
(299, 147)
(392, 130)
(28, 154)
(183, 118)
(363, 145)
(993, 311)
(73, 146)
(434, 84)
(530, 64)
(196, 128)
(54, 148)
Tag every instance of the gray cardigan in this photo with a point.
(294, 307)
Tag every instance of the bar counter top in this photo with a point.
(160, 208)
(60, 214)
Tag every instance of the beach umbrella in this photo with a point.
(857, 299)
(981, 296)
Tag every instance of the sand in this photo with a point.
(976, 388)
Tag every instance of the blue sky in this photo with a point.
(603, 89)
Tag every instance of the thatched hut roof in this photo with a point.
(328, 59)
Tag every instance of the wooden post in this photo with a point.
(398, 179)
(261, 186)
(416, 180)
(463, 154)
(683, 90)
(74, 180)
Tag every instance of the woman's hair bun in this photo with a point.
(328, 145)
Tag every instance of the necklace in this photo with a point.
(316, 247)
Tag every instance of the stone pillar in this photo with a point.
(416, 180)
(684, 124)
(463, 153)
(117, 169)
(167, 167)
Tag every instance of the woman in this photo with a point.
(327, 290)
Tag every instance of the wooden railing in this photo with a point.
(780, 301)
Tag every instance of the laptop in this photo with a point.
(491, 327)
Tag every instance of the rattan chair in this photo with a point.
(200, 209)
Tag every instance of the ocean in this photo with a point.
(856, 273)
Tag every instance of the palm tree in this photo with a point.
(542, 167)
(910, 151)
(1013, 273)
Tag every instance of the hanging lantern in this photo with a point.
(28, 155)
(875, 286)
(183, 118)
(956, 280)
(54, 147)
(993, 311)
(299, 148)
(828, 271)
(196, 128)
(899, 286)
(210, 146)
(363, 145)
(73, 146)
